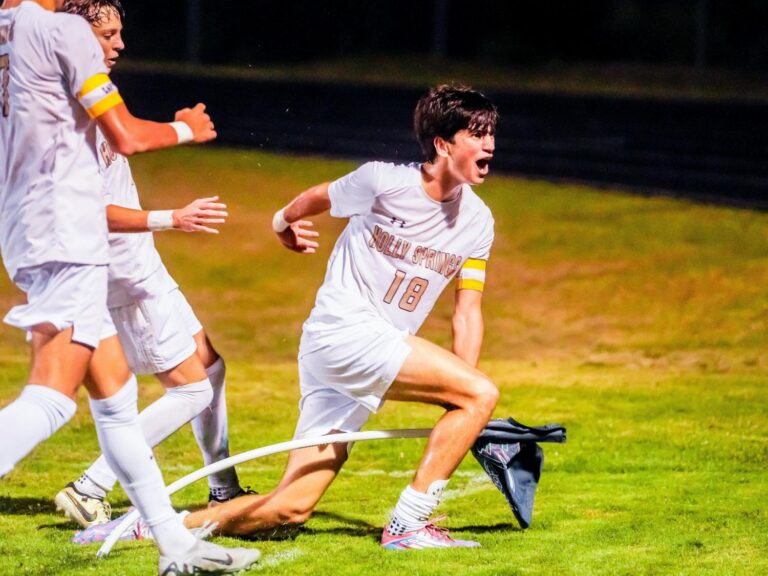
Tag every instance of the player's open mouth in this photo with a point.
(483, 165)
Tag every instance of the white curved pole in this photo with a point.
(342, 437)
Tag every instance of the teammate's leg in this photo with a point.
(432, 375)
(307, 475)
(46, 403)
(211, 426)
(181, 402)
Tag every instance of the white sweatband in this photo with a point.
(183, 131)
(279, 223)
(160, 220)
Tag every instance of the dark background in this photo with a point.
(720, 33)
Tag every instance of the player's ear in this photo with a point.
(441, 146)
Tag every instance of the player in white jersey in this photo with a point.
(154, 322)
(55, 91)
(412, 229)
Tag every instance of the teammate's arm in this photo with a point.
(197, 216)
(129, 135)
(289, 224)
(467, 325)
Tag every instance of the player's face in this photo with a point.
(108, 30)
(471, 156)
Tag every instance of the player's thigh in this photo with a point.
(108, 370)
(205, 349)
(57, 361)
(308, 474)
(433, 375)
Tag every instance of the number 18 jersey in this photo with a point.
(400, 248)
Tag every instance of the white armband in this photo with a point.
(279, 223)
(183, 131)
(160, 220)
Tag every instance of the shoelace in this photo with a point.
(437, 531)
(206, 530)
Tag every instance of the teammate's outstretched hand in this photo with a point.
(199, 121)
(298, 237)
(198, 215)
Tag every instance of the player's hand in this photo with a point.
(199, 121)
(298, 237)
(199, 215)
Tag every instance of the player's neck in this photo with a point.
(438, 183)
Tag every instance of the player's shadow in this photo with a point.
(352, 527)
(26, 506)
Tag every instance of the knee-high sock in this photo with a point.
(34, 416)
(211, 430)
(158, 421)
(130, 457)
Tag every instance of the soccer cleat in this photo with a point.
(99, 532)
(213, 501)
(85, 510)
(208, 558)
(430, 536)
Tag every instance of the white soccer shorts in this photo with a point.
(65, 296)
(344, 373)
(157, 333)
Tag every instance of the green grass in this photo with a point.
(640, 323)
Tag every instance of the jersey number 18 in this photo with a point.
(413, 293)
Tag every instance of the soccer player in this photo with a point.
(154, 322)
(54, 91)
(412, 229)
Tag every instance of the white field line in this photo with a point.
(280, 558)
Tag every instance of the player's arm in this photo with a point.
(290, 225)
(197, 216)
(129, 135)
(467, 323)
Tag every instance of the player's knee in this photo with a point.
(485, 396)
(296, 515)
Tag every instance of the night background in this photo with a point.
(718, 33)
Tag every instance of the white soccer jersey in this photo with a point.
(135, 268)
(52, 81)
(401, 248)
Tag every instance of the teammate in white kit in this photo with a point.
(412, 229)
(154, 322)
(54, 90)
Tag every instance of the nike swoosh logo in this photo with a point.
(90, 517)
(227, 562)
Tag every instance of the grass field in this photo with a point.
(640, 323)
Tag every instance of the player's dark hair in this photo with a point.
(446, 110)
(95, 11)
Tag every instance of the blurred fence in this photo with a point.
(705, 150)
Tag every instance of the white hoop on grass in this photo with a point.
(344, 437)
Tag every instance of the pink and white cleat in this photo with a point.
(430, 536)
(99, 532)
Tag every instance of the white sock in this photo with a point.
(130, 457)
(414, 508)
(34, 416)
(158, 421)
(211, 431)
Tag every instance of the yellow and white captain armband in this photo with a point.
(472, 275)
(99, 95)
